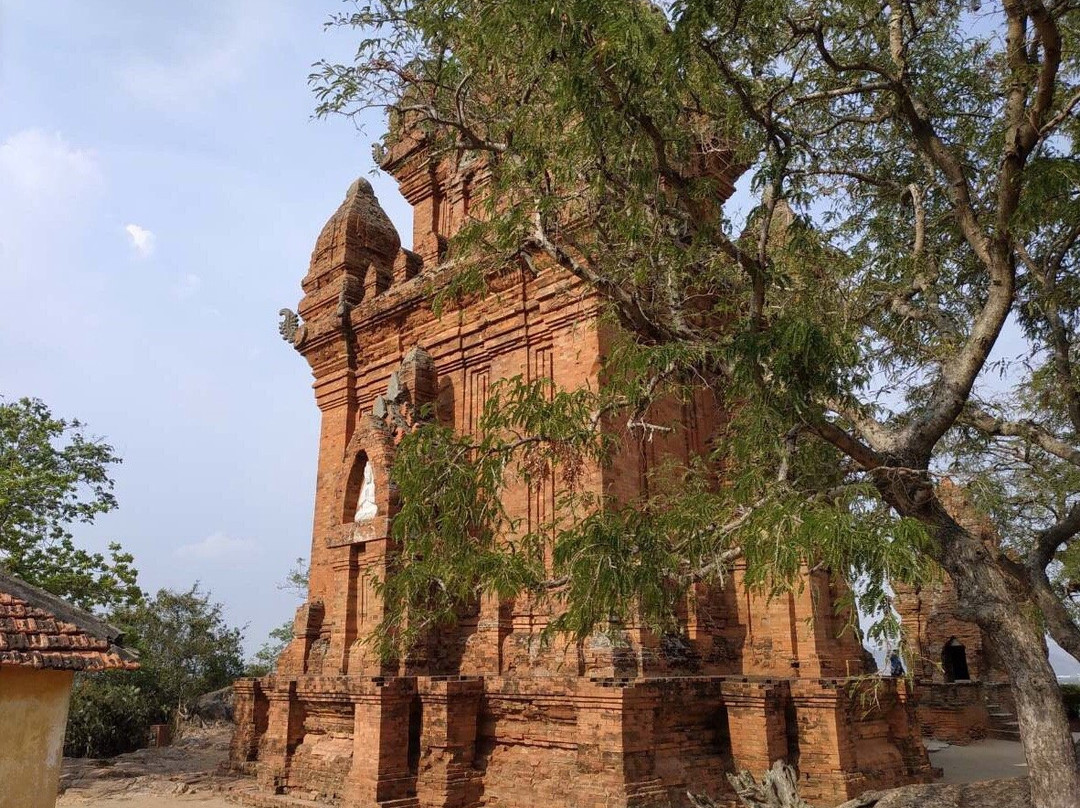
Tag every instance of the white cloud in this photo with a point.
(187, 286)
(39, 167)
(216, 547)
(47, 189)
(142, 240)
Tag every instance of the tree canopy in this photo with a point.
(264, 660)
(186, 649)
(899, 307)
(54, 475)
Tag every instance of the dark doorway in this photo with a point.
(416, 723)
(791, 728)
(954, 662)
(723, 737)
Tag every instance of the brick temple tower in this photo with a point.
(489, 715)
(963, 689)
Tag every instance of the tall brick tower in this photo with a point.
(488, 715)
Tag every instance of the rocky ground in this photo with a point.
(1011, 793)
(186, 773)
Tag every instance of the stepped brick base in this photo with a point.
(460, 742)
(964, 712)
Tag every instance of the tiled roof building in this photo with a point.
(39, 630)
(44, 641)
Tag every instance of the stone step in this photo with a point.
(255, 798)
(644, 789)
(1003, 724)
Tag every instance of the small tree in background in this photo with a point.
(52, 476)
(265, 659)
(185, 649)
(185, 646)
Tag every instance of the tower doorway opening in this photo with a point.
(416, 723)
(954, 662)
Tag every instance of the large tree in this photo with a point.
(54, 475)
(919, 200)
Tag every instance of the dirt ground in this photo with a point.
(144, 800)
(984, 760)
(186, 773)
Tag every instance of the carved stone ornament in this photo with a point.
(393, 389)
(290, 328)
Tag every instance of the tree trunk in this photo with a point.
(1044, 727)
(983, 591)
(779, 788)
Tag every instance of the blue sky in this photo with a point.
(162, 184)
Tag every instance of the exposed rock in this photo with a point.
(216, 705)
(1011, 793)
(192, 765)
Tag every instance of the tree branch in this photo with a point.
(1049, 540)
(1056, 121)
(1028, 431)
(1061, 344)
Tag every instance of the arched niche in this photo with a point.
(360, 499)
(363, 486)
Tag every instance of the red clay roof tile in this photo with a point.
(39, 630)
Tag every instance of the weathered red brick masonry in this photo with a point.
(488, 715)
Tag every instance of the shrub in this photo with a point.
(110, 714)
(185, 649)
(185, 646)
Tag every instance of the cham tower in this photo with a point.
(964, 692)
(487, 715)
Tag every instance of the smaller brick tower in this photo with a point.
(963, 693)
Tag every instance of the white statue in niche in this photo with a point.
(365, 506)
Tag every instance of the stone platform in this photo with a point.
(470, 741)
